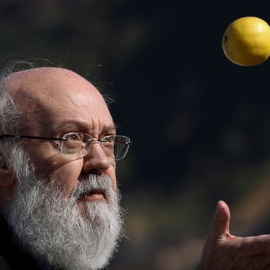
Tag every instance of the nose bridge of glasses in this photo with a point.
(96, 151)
(93, 141)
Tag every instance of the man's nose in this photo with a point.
(96, 160)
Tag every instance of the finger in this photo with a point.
(255, 245)
(218, 231)
(221, 222)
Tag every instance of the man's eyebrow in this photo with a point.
(81, 125)
(74, 123)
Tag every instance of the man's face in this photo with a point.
(59, 102)
(77, 197)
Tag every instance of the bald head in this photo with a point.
(41, 94)
(43, 81)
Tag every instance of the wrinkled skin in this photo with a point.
(223, 251)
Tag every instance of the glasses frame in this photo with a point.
(17, 136)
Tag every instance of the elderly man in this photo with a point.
(58, 193)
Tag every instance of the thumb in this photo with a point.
(219, 229)
(221, 222)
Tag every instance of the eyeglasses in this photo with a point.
(76, 145)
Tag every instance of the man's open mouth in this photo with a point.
(92, 195)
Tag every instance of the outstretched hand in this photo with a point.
(223, 251)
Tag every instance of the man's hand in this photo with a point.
(223, 251)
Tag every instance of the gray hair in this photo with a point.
(9, 120)
(9, 115)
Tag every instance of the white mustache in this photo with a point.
(93, 182)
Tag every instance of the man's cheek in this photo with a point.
(66, 177)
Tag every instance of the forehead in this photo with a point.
(51, 97)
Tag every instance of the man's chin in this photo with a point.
(89, 210)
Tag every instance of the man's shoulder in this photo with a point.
(4, 264)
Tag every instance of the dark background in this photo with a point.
(200, 125)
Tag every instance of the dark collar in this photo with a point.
(15, 256)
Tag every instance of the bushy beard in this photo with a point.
(66, 232)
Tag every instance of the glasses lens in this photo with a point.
(121, 146)
(75, 145)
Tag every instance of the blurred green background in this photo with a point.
(200, 125)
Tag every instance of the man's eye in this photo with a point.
(108, 139)
(74, 137)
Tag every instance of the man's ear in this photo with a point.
(7, 188)
(6, 178)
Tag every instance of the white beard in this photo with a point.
(66, 233)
